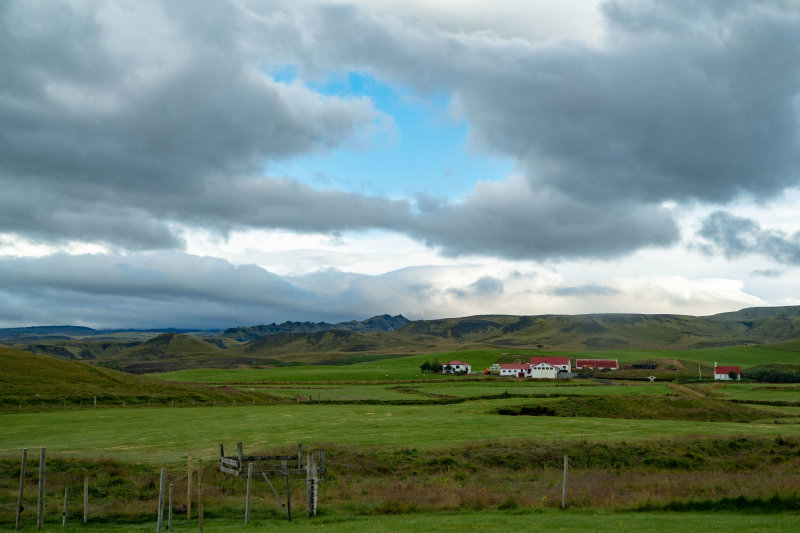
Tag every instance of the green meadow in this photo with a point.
(421, 451)
(164, 434)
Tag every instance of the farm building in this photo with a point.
(456, 367)
(516, 370)
(543, 371)
(560, 363)
(723, 373)
(596, 364)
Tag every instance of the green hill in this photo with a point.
(616, 331)
(30, 379)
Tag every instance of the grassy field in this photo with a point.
(519, 520)
(407, 368)
(165, 434)
(452, 452)
(744, 356)
(391, 369)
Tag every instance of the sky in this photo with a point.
(238, 162)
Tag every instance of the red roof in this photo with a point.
(726, 370)
(597, 363)
(553, 361)
(453, 363)
(515, 366)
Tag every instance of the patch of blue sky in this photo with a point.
(425, 150)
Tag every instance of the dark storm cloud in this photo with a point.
(122, 120)
(735, 236)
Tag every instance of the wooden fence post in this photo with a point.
(85, 500)
(309, 489)
(169, 514)
(247, 494)
(288, 499)
(161, 482)
(564, 484)
(200, 493)
(21, 485)
(189, 485)
(64, 515)
(40, 504)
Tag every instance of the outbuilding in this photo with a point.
(456, 367)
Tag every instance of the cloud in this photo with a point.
(734, 236)
(123, 122)
(163, 289)
(513, 220)
(585, 290)
(767, 273)
(119, 121)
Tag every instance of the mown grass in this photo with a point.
(161, 434)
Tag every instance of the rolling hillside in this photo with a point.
(29, 379)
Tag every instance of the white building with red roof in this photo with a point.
(723, 373)
(515, 370)
(560, 363)
(456, 367)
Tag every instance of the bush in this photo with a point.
(431, 366)
(773, 375)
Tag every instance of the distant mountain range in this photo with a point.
(376, 323)
(309, 342)
(80, 331)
